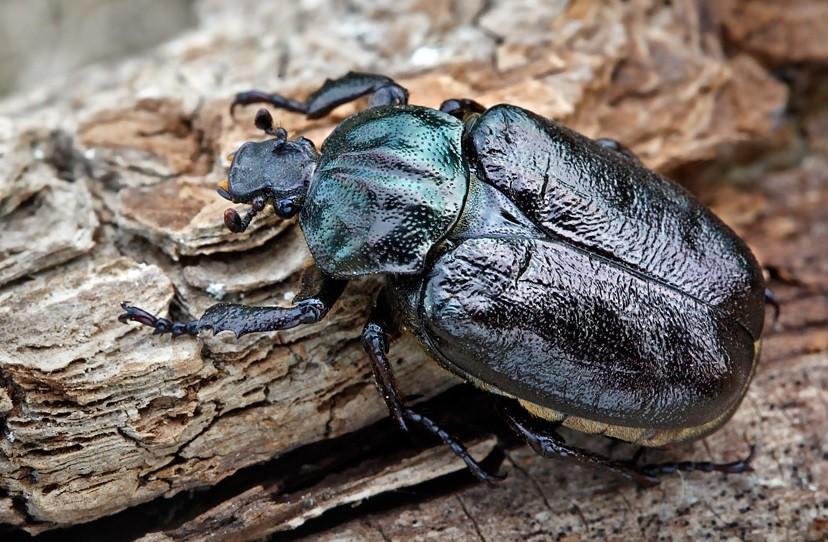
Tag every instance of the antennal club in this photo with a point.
(264, 122)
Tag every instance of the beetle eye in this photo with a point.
(286, 207)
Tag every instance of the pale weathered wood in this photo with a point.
(98, 417)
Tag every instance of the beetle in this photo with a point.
(553, 271)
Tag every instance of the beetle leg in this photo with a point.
(735, 467)
(543, 439)
(460, 107)
(161, 325)
(375, 341)
(332, 94)
(541, 436)
(459, 450)
(241, 319)
(770, 299)
(614, 145)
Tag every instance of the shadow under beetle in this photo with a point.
(547, 268)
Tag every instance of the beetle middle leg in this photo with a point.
(375, 341)
(332, 94)
(318, 294)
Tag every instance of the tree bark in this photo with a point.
(107, 195)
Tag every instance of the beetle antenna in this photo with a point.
(264, 122)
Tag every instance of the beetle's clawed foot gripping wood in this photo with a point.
(161, 325)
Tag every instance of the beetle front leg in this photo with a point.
(332, 94)
(375, 341)
(309, 306)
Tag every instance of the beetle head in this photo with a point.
(275, 171)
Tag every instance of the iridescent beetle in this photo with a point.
(551, 270)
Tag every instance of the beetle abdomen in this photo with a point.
(612, 206)
(577, 333)
(390, 184)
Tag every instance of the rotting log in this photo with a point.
(106, 186)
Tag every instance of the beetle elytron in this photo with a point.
(549, 269)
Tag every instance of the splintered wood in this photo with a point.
(107, 194)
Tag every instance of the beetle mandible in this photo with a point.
(551, 270)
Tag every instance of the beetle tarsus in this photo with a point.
(160, 325)
(332, 94)
(734, 467)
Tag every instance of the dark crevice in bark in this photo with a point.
(462, 407)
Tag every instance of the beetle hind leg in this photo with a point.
(541, 437)
(734, 467)
(375, 342)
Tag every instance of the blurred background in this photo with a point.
(44, 38)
